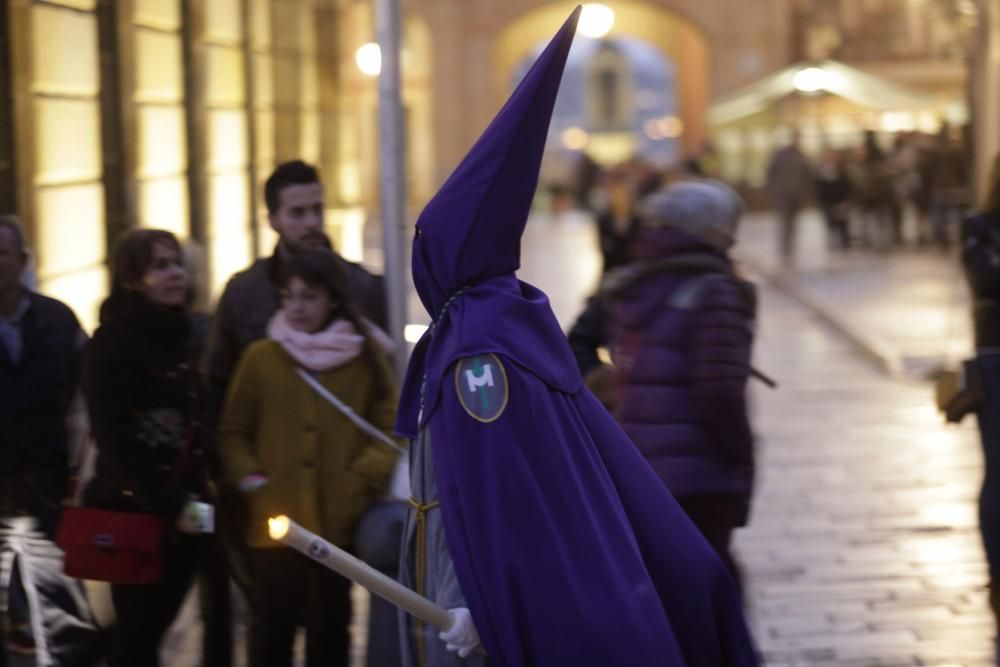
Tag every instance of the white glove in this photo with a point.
(461, 637)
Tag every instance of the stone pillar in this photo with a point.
(985, 95)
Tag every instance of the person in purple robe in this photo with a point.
(533, 516)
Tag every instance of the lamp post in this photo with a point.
(985, 93)
(391, 153)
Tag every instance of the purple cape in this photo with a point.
(568, 549)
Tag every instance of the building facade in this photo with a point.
(170, 113)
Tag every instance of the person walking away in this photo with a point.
(834, 194)
(789, 182)
(680, 323)
(145, 401)
(948, 175)
(291, 452)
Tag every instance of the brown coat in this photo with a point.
(323, 472)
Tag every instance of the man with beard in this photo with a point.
(294, 198)
(295, 205)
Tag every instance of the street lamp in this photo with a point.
(575, 138)
(369, 59)
(811, 80)
(596, 20)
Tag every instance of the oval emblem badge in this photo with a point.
(481, 385)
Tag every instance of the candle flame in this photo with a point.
(277, 527)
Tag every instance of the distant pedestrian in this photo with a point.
(834, 194)
(790, 184)
(947, 181)
(877, 196)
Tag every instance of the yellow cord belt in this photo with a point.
(421, 510)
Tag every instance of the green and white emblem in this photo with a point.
(481, 385)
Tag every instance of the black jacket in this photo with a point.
(35, 395)
(145, 402)
(981, 261)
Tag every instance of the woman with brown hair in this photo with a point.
(293, 453)
(144, 396)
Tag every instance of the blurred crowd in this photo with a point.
(150, 456)
(879, 194)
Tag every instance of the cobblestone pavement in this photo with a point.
(862, 548)
(910, 306)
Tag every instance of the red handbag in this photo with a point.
(105, 545)
(113, 546)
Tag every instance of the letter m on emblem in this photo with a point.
(484, 379)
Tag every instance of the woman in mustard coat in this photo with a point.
(293, 453)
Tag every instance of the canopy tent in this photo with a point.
(830, 103)
(827, 77)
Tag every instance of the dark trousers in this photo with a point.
(717, 517)
(989, 494)
(215, 603)
(837, 226)
(231, 520)
(146, 612)
(379, 537)
(788, 217)
(289, 591)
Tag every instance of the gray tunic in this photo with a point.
(426, 567)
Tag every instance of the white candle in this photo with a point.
(286, 531)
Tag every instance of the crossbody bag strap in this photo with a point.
(366, 427)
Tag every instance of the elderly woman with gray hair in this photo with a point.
(679, 324)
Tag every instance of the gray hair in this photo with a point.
(13, 223)
(705, 208)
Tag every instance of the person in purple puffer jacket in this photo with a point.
(679, 324)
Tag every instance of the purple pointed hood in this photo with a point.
(472, 228)
(467, 247)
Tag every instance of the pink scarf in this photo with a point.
(334, 346)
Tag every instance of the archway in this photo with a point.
(677, 38)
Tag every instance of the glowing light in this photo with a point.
(575, 138)
(811, 80)
(667, 127)
(896, 121)
(596, 20)
(277, 527)
(652, 129)
(671, 127)
(413, 332)
(928, 122)
(369, 59)
(347, 229)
